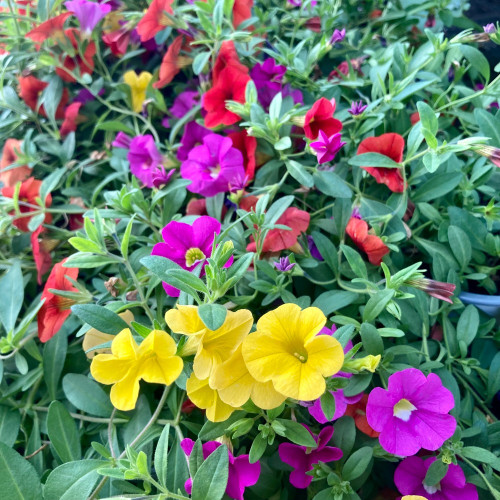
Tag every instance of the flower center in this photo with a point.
(403, 409)
(432, 489)
(214, 171)
(302, 357)
(194, 255)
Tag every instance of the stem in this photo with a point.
(110, 433)
(138, 286)
(425, 345)
(476, 396)
(86, 418)
(493, 490)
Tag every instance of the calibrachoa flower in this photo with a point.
(313, 248)
(284, 265)
(192, 137)
(144, 158)
(173, 61)
(212, 166)
(154, 361)
(10, 155)
(267, 77)
(56, 309)
(155, 20)
(489, 28)
(286, 350)
(357, 108)
(320, 117)
(247, 146)
(241, 472)
(41, 256)
(52, 28)
(371, 244)
(410, 474)
(338, 36)
(70, 119)
(84, 64)
(30, 90)
(438, 289)
(327, 147)
(391, 145)
(138, 85)
(185, 102)
(358, 412)
(412, 413)
(302, 459)
(88, 13)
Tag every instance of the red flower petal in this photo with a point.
(154, 19)
(320, 117)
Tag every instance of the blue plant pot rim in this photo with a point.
(480, 299)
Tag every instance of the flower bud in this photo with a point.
(368, 363)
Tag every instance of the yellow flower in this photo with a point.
(154, 361)
(138, 86)
(413, 497)
(211, 347)
(368, 363)
(235, 385)
(203, 396)
(286, 350)
(94, 337)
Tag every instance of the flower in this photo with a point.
(413, 497)
(84, 64)
(56, 309)
(268, 77)
(241, 472)
(367, 363)
(320, 117)
(390, 145)
(184, 102)
(412, 413)
(192, 137)
(70, 118)
(187, 245)
(227, 56)
(338, 36)
(154, 361)
(371, 244)
(438, 289)
(303, 459)
(30, 90)
(41, 256)
(28, 193)
(327, 147)
(145, 159)
(313, 249)
(410, 474)
(284, 265)
(358, 412)
(212, 166)
(52, 28)
(357, 108)
(138, 85)
(242, 10)
(9, 177)
(247, 146)
(490, 152)
(286, 351)
(154, 20)
(172, 61)
(489, 28)
(118, 40)
(122, 140)
(88, 13)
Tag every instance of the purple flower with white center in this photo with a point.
(298, 3)
(313, 249)
(185, 102)
(213, 166)
(302, 459)
(327, 147)
(489, 28)
(144, 159)
(357, 108)
(88, 13)
(337, 36)
(193, 136)
(284, 265)
(241, 472)
(410, 474)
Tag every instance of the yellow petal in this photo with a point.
(161, 370)
(159, 342)
(124, 345)
(265, 396)
(311, 321)
(277, 323)
(124, 394)
(300, 381)
(413, 497)
(325, 355)
(130, 78)
(144, 79)
(185, 320)
(108, 369)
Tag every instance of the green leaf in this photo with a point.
(211, 478)
(86, 395)
(371, 339)
(460, 245)
(327, 402)
(481, 455)
(296, 433)
(63, 433)
(213, 430)
(87, 260)
(357, 463)
(18, 478)
(84, 245)
(373, 160)
(54, 355)
(436, 186)
(333, 300)
(258, 448)
(12, 293)
(489, 125)
(126, 238)
(355, 261)
(494, 377)
(435, 473)
(427, 117)
(331, 184)
(357, 384)
(51, 96)
(345, 434)
(100, 318)
(477, 60)
(200, 61)
(468, 325)
(283, 143)
(212, 315)
(327, 250)
(377, 304)
(50, 183)
(177, 472)
(10, 421)
(299, 173)
(115, 126)
(196, 457)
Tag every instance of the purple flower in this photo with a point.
(298, 3)
(184, 102)
(144, 158)
(302, 459)
(268, 77)
(88, 13)
(327, 147)
(84, 96)
(356, 213)
(295, 94)
(241, 472)
(213, 166)
(284, 265)
(193, 136)
(122, 140)
(313, 249)
(489, 28)
(412, 413)
(161, 176)
(410, 474)
(357, 108)
(188, 245)
(165, 122)
(337, 36)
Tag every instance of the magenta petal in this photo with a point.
(300, 479)
(188, 486)
(433, 396)
(399, 438)
(327, 454)
(406, 383)
(187, 446)
(209, 447)
(241, 474)
(178, 235)
(317, 412)
(324, 436)
(204, 228)
(380, 408)
(409, 475)
(293, 454)
(433, 429)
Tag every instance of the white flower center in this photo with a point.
(403, 409)
(432, 489)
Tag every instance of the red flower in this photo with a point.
(30, 190)
(85, 64)
(414, 118)
(55, 309)
(227, 56)
(371, 244)
(154, 19)
(70, 118)
(30, 90)
(390, 145)
(9, 156)
(320, 117)
(314, 24)
(53, 28)
(117, 41)
(374, 14)
(343, 68)
(358, 412)
(247, 145)
(242, 10)
(198, 206)
(230, 85)
(75, 221)
(172, 61)
(43, 259)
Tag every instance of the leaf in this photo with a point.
(200, 61)
(371, 339)
(435, 473)
(177, 472)
(84, 245)
(460, 245)
(12, 293)
(468, 325)
(51, 96)
(161, 456)
(10, 421)
(62, 432)
(258, 448)
(212, 315)
(100, 318)
(299, 173)
(436, 186)
(296, 433)
(283, 143)
(213, 430)
(357, 384)
(489, 125)
(87, 260)
(477, 60)
(211, 478)
(373, 160)
(126, 238)
(494, 377)
(357, 463)
(377, 304)
(86, 395)
(333, 300)
(427, 117)
(50, 183)
(277, 209)
(115, 126)
(54, 355)
(331, 184)
(327, 402)
(481, 455)
(18, 477)
(355, 261)
(196, 457)
(345, 434)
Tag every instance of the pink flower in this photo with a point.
(303, 459)
(410, 474)
(327, 147)
(412, 413)
(438, 289)
(88, 13)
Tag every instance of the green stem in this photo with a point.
(493, 490)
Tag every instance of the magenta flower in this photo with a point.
(185, 102)
(145, 159)
(410, 474)
(412, 413)
(357, 108)
(268, 77)
(356, 213)
(241, 472)
(438, 289)
(213, 166)
(188, 245)
(302, 459)
(193, 136)
(88, 13)
(313, 249)
(284, 265)
(327, 147)
(338, 36)
(489, 28)
(122, 141)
